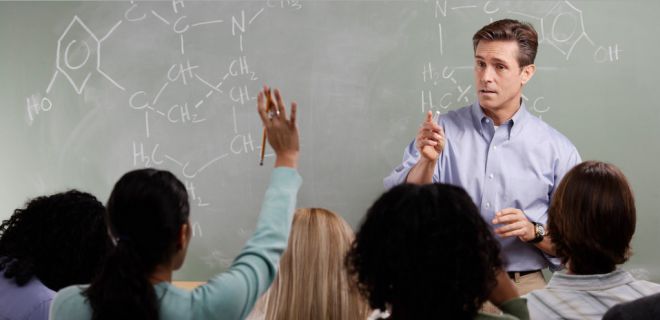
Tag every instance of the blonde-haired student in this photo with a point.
(312, 282)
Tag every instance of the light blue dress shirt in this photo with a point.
(516, 165)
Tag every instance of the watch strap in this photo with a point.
(538, 236)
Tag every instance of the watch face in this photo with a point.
(540, 230)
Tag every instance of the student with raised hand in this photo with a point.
(312, 282)
(425, 252)
(591, 220)
(148, 214)
(54, 242)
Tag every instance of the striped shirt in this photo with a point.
(570, 296)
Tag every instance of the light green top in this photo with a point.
(229, 295)
(514, 309)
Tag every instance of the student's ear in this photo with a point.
(527, 73)
(185, 233)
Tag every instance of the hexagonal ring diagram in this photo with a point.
(74, 49)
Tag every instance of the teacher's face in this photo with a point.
(498, 77)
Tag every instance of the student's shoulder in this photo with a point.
(70, 303)
(490, 316)
(70, 293)
(650, 288)
(644, 308)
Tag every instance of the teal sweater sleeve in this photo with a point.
(232, 295)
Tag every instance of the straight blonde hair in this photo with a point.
(312, 282)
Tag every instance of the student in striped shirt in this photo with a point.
(591, 221)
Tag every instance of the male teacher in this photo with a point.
(507, 159)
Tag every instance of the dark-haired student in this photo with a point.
(591, 221)
(54, 242)
(148, 214)
(425, 252)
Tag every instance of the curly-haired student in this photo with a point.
(424, 252)
(54, 242)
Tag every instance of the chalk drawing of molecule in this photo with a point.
(74, 49)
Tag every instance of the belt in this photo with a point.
(512, 274)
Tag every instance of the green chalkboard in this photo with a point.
(90, 90)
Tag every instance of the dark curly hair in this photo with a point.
(61, 239)
(423, 251)
(146, 210)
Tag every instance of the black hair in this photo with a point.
(425, 251)
(61, 239)
(146, 210)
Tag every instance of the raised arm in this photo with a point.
(430, 142)
(419, 161)
(231, 295)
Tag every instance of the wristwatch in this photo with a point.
(539, 233)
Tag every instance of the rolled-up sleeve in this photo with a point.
(400, 172)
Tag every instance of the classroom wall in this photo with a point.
(90, 90)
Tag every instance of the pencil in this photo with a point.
(269, 103)
(263, 148)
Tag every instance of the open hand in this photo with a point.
(281, 131)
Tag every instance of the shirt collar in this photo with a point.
(514, 125)
(589, 282)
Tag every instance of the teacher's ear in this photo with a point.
(527, 73)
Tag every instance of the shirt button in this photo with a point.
(490, 176)
(487, 205)
(494, 147)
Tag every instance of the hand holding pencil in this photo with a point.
(281, 133)
(269, 106)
